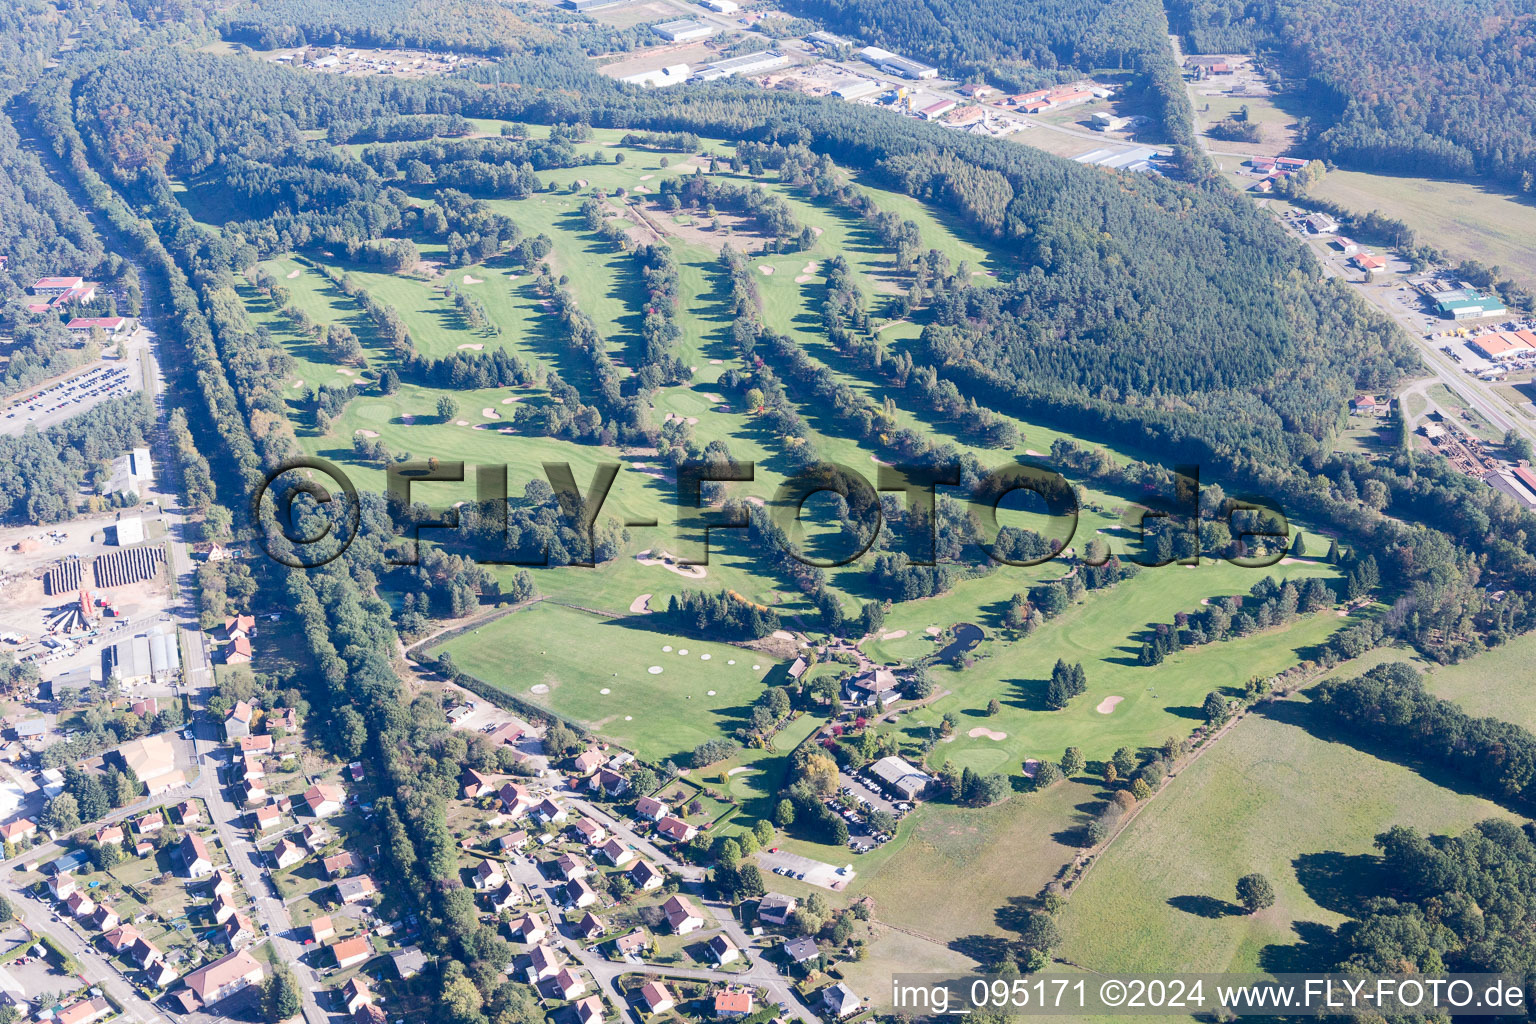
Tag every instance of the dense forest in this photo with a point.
(1018, 44)
(469, 26)
(1419, 87)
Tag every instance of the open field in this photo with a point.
(1271, 797)
(1469, 220)
(1493, 685)
(704, 689)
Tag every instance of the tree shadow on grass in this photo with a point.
(1340, 882)
(1318, 950)
(1028, 694)
(1206, 906)
(984, 949)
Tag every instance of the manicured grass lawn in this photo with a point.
(1469, 220)
(577, 655)
(1271, 797)
(1157, 702)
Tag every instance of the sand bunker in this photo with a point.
(716, 362)
(605, 691)
(810, 268)
(538, 688)
(490, 414)
(666, 648)
(757, 668)
(473, 346)
(803, 279)
(641, 190)
(661, 558)
(654, 670)
(704, 657)
(365, 432)
(647, 177)
(682, 652)
(407, 418)
(581, 182)
(933, 631)
(895, 634)
(638, 605)
(1031, 765)
(629, 718)
(345, 372)
(739, 768)
(1035, 454)
(765, 270)
(1107, 705)
(294, 273)
(469, 279)
(991, 734)
(461, 423)
(509, 401)
(710, 693)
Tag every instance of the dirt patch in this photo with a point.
(991, 734)
(1108, 704)
(473, 346)
(639, 605)
(366, 433)
(293, 274)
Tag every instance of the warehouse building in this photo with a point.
(1465, 303)
(682, 30)
(673, 74)
(896, 64)
(748, 64)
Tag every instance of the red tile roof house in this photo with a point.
(352, 951)
(676, 829)
(569, 984)
(590, 1010)
(733, 1003)
(650, 808)
(657, 997)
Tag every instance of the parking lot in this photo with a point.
(805, 869)
(50, 405)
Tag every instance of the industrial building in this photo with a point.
(673, 74)
(747, 64)
(152, 656)
(591, 5)
(1141, 159)
(682, 30)
(895, 64)
(1104, 121)
(1519, 483)
(722, 6)
(1465, 303)
(828, 41)
(129, 530)
(1502, 346)
(133, 473)
(857, 89)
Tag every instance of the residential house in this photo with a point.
(474, 785)
(646, 876)
(616, 853)
(516, 801)
(120, 938)
(62, 886)
(238, 722)
(682, 916)
(149, 707)
(548, 810)
(632, 943)
(590, 926)
(324, 800)
(544, 962)
(801, 951)
(224, 907)
(160, 974)
(238, 932)
(20, 830)
(356, 993)
(251, 792)
(839, 1001)
(609, 783)
(189, 812)
(85, 1011)
(105, 919)
(656, 997)
(352, 951)
(408, 962)
(488, 875)
(287, 853)
(579, 894)
(676, 829)
(586, 762)
(506, 735)
(322, 928)
(152, 759)
(256, 744)
(370, 1013)
(238, 651)
(723, 950)
(265, 817)
(315, 836)
(731, 1003)
(355, 890)
(236, 626)
(508, 896)
(775, 908)
(876, 686)
(651, 809)
(144, 953)
(80, 905)
(512, 841)
(569, 984)
(589, 1010)
(570, 868)
(224, 977)
(588, 831)
(224, 882)
(340, 864)
(529, 928)
(195, 859)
